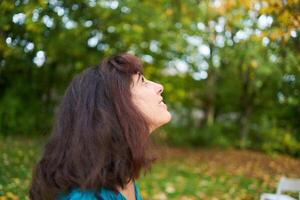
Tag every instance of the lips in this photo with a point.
(161, 101)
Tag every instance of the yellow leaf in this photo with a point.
(285, 17)
(169, 12)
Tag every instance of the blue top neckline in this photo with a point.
(77, 194)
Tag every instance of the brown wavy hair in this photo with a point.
(99, 138)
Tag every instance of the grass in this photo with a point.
(18, 156)
(180, 173)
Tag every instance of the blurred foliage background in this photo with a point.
(230, 68)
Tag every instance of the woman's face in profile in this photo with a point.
(146, 95)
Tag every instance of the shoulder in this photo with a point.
(102, 194)
(77, 194)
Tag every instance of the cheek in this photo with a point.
(141, 99)
(145, 105)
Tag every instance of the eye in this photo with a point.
(143, 80)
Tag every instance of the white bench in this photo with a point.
(284, 185)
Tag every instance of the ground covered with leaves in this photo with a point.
(179, 173)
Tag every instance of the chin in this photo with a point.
(169, 117)
(166, 118)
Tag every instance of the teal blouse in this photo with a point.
(103, 194)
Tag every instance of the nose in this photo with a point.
(160, 88)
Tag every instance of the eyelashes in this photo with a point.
(144, 81)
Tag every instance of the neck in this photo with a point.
(128, 190)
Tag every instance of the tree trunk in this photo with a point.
(245, 124)
(210, 90)
(246, 104)
(210, 101)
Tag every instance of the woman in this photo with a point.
(98, 146)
